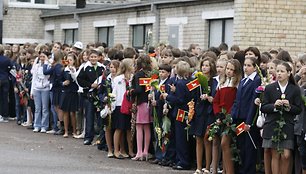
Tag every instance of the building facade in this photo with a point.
(266, 24)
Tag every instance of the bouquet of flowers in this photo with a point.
(279, 134)
(203, 82)
(225, 125)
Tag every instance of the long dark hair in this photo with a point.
(143, 62)
(289, 69)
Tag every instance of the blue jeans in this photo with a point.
(18, 107)
(54, 114)
(90, 113)
(4, 91)
(41, 100)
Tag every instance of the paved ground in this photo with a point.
(25, 152)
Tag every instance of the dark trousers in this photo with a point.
(182, 145)
(4, 91)
(90, 114)
(248, 152)
(171, 148)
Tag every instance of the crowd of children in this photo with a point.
(241, 111)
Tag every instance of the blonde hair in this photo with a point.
(183, 69)
(125, 66)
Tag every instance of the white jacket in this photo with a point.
(39, 80)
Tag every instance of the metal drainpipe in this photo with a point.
(157, 21)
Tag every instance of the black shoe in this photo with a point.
(87, 142)
(19, 122)
(30, 127)
(59, 132)
(156, 161)
(119, 156)
(165, 163)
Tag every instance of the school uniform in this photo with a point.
(70, 99)
(179, 100)
(164, 84)
(56, 78)
(86, 78)
(272, 93)
(204, 115)
(224, 98)
(170, 155)
(244, 110)
(119, 120)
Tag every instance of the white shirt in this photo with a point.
(119, 88)
(282, 88)
(250, 77)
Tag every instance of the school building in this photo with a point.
(265, 24)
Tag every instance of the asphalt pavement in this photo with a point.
(25, 152)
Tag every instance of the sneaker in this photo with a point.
(51, 131)
(12, 118)
(43, 131)
(25, 124)
(36, 130)
(3, 120)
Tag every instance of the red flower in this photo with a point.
(154, 76)
(260, 89)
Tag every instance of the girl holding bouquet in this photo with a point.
(224, 99)
(281, 104)
(204, 115)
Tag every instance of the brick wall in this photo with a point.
(271, 24)
(22, 23)
(197, 29)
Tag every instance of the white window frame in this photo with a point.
(32, 4)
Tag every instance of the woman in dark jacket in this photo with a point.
(282, 102)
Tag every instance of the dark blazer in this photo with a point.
(244, 107)
(160, 103)
(56, 75)
(271, 94)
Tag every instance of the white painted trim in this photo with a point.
(176, 21)
(69, 26)
(21, 40)
(141, 20)
(218, 14)
(105, 23)
(49, 27)
(32, 5)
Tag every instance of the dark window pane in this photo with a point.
(138, 36)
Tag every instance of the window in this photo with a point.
(71, 36)
(106, 35)
(49, 35)
(34, 3)
(140, 35)
(173, 36)
(220, 30)
(54, 2)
